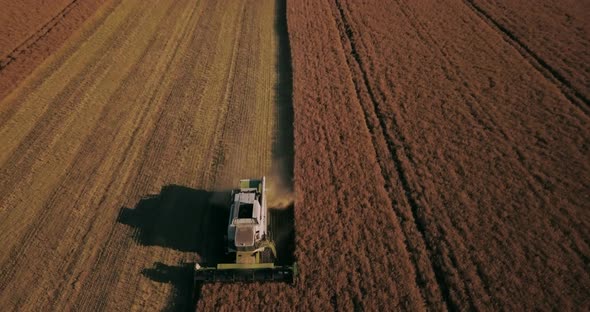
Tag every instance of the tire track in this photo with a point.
(394, 152)
(54, 36)
(455, 217)
(488, 120)
(58, 60)
(38, 35)
(551, 74)
(50, 107)
(484, 119)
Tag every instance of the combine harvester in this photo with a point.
(249, 238)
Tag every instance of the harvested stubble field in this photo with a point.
(440, 155)
(31, 30)
(113, 148)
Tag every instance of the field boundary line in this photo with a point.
(37, 35)
(551, 74)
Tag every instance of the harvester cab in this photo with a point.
(249, 239)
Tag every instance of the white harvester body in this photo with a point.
(248, 216)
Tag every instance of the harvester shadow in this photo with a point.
(179, 218)
(283, 233)
(181, 276)
(283, 145)
(283, 218)
(182, 219)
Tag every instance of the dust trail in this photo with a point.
(279, 187)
